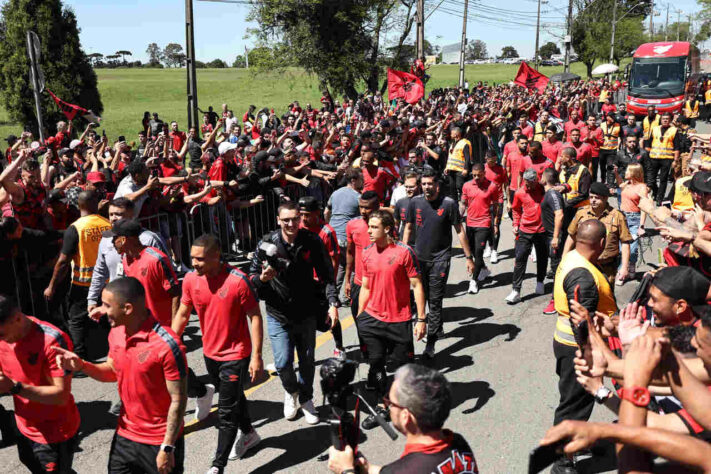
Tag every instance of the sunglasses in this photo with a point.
(388, 403)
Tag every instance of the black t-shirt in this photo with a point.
(401, 207)
(433, 221)
(70, 246)
(634, 131)
(552, 201)
(454, 457)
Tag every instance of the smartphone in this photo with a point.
(121, 139)
(543, 456)
(580, 331)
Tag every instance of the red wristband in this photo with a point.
(637, 395)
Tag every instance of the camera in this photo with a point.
(610, 180)
(268, 252)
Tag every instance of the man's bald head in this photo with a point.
(591, 232)
(88, 201)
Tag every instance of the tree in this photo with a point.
(113, 60)
(239, 61)
(95, 58)
(475, 50)
(173, 55)
(155, 55)
(123, 54)
(200, 65)
(548, 50)
(216, 64)
(67, 69)
(508, 52)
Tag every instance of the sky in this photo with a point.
(220, 28)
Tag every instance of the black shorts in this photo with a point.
(381, 339)
(40, 458)
(129, 457)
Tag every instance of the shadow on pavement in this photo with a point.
(297, 446)
(459, 314)
(191, 340)
(465, 391)
(603, 459)
(261, 412)
(95, 417)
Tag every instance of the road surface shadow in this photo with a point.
(465, 314)
(95, 417)
(297, 446)
(465, 391)
(191, 340)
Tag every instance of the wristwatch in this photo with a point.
(637, 395)
(15, 388)
(469, 257)
(333, 304)
(602, 394)
(167, 448)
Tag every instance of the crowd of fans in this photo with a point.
(337, 188)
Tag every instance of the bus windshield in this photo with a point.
(657, 77)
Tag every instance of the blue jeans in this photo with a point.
(633, 221)
(285, 338)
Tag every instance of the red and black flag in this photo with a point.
(70, 110)
(405, 85)
(530, 78)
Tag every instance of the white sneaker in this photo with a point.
(473, 287)
(213, 470)
(203, 404)
(514, 297)
(533, 255)
(291, 405)
(484, 274)
(244, 443)
(494, 257)
(310, 413)
(540, 288)
(487, 251)
(271, 368)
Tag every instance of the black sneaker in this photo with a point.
(369, 423)
(564, 466)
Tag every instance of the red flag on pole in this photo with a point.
(530, 78)
(70, 110)
(405, 85)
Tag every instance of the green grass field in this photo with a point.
(127, 93)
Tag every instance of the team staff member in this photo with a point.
(617, 250)
(592, 135)
(150, 266)
(529, 233)
(632, 129)
(518, 162)
(46, 415)
(459, 163)
(573, 123)
(384, 316)
(357, 240)
(551, 145)
(419, 403)
(411, 183)
(539, 161)
(81, 247)
(497, 175)
(583, 151)
(663, 145)
(611, 132)
(224, 300)
(149, 365)
(552, 215)
(575, 179)
(478, 195)
(432, 217)
(310, 211)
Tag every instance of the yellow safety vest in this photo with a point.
(662, 147)
(603, 95)
(682, 196)
(455, 162)
(89, 228)
(648, 126)
(574, 182)
(539, 132)
(707, 96)
(612, 136)
(692, 112)
(606, 298)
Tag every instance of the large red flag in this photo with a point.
(405, 85)
(530, 78)
(70, 110)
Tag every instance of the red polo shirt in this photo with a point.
(143, 362)
(552, 150)
(32, 362)
(477, 198)
(526, 209)
(497, 175)
(541, 164)
(583, 150)
(389, 271)
(357, 234)
(593, 138)
(570, 126)
(178, 139)
(155, 272)
(222, 303)
(376, 179)
(516, 164)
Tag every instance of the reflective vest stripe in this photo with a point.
(683, 201)
(692, 112)
(662, 146)
(574, 183)
(564, 332)
(456, 162)
(612, 137)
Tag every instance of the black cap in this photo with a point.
(309, 204)
(700, 182)
(55, 195)
(65, 151)
(260, 155)
(683, 283)
(600, 189)
(11, 139)
(124, 228)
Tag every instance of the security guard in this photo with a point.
(611, 132)
(650, 121)
(663, 145)
(617, 233)
(81, 246)
(691, 111)
(681, 198)
(539, 129)
(459, 163)
(577, 278)
(575, 181)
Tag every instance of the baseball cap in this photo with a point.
(700, 182)
(55, 195)
(74, 143)
(96, 177)
(65, 151)
(600, 189)
(225, 147)
(530, 175)
(124, 228)
(11, 139)
(683, 283)
(309, 204)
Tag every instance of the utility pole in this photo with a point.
(463, 45)
(688, 33)
(678, 24)
(666, 25)
(568, 37)
(190, 65)
(538, 29)
(421, 29)
(651, 23)
(33, 50)
(614, 24)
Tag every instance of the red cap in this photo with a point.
(96, 177)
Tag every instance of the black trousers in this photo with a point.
(455, 181)
(554, 255)
(606, 156)
(78, 318)
(494, 236)
(382, 339)
(575, 403)
(355, 294)
(40, 458)
(434, 280)
(658, 168)
(522, 250)
(131, 457)
(230, 377)
(478, 237)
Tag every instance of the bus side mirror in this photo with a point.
(627, 71)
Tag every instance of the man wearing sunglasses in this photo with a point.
(419, 402)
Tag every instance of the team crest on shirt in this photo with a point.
(50, 467)
(440, 212)
(143, 356)
(459, 463)
(32, 358)
(307, 255)
(223, 292)
(391, 260)
(144, 271)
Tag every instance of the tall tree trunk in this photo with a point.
(372, 81)
(408, 27)
(589, 67)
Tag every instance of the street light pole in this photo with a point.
(463, 45)
(614, 25)
(190, 65)
(568, 38)
(678, 23)
(538, 29)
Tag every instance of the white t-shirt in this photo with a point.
(398, 194)
(128, 186)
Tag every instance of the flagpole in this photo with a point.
(34, 72)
